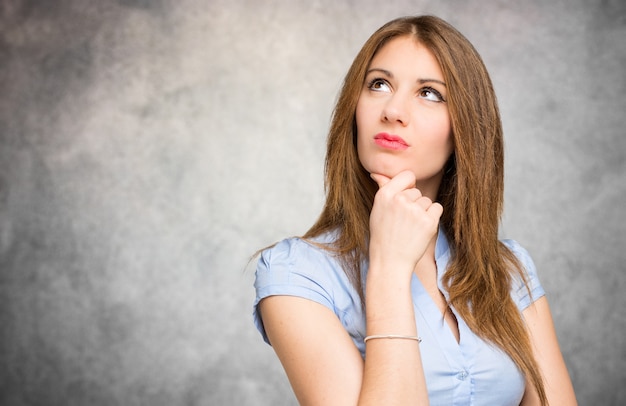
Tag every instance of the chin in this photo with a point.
(390, 172)
(386, 170)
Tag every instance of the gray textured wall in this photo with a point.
(147, 148)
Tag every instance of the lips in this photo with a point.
(389, 141)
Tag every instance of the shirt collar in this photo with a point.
(442, 246)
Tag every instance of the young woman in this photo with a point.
(401, 292)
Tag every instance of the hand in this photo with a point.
(402, 222)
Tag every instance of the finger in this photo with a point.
(435, 211)
(402, 181)
(412, 195)
(424, 202)
(381, 180)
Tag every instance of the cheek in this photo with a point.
(440, 141)
(361, 150)
(449, 138)
(450, 143)
(361, 129)
(359, 116)
(445, 138)
(442, 130)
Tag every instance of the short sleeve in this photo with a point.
(291, 268)
(522, 294)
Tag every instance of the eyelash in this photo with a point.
(434, 91)
(372, 82)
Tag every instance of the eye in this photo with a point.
(379, 85)
(431, 94)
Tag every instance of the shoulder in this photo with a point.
(521, 254)
(524, 292)
(304, 268)
(298, 255)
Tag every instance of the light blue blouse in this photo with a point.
(468, 372)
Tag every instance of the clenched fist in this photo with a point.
(403, 222)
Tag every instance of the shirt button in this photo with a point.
(462, 375)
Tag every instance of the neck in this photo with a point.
(427, 263)
(430, 187)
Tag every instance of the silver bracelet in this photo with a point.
(393, 336)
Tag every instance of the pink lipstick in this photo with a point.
(389, 141)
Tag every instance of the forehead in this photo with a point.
(406, 56)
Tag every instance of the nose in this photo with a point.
(396, 110)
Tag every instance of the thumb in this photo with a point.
(381, 180)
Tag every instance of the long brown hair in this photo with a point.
(481, 269)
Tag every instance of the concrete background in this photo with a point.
(147, 148)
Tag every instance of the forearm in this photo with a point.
(393, 372)
(403, 226)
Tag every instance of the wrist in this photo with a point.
(389, 306)
(394, 269)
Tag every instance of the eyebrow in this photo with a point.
(420, 81)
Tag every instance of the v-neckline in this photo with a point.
(425, 304)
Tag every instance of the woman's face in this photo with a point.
(402, 116)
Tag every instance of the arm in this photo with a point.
(323, 364)
(393, 373)
(558, 385)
